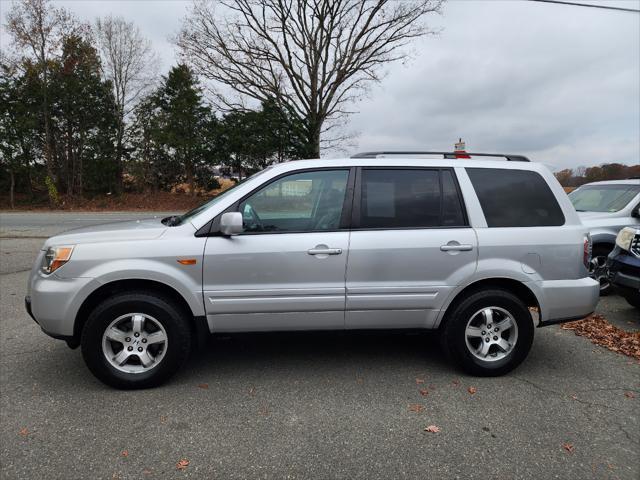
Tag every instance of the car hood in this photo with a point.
(113, 232)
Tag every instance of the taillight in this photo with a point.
(586, 251)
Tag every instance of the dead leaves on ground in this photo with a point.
(182, 464)
(568, 447)
(23, 432)
(629, 395)
(124, 453)
(203, 386)
(597, 329)
(472, 390)
(416, 407)
(432, 429)
(424, 392)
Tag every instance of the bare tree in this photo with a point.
(314, 57)
(37, 30)
(131, 64)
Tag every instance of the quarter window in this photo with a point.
(409, 198)
(515, 198)
(302, 202)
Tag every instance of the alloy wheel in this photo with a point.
(134, 343)
(491, 334)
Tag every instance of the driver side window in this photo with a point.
(301, 202)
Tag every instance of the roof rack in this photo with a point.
(509, 157)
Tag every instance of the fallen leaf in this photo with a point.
(263, 410)
(424, 392)
(360, 381)
(182, 464)
(146, 471)
(456, 382)
(419, 380)
(416, 407)
(629, 395)
(597, 329)
(204, 386)
(574, 397)
(472, 390)
(252, 392)
(124, 453)
(163, 419)
(24, 432)
(568, 447)
(432, 429)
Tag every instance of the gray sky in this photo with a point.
(558, 83)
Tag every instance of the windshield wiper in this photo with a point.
(171, 221)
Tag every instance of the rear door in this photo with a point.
(410, 245)
(287, 270)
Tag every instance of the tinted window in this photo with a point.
(402, 198)
(515, 198)
(451, 205)
(308, 201)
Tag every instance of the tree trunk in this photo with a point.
(119, 148)
(47, 126)
(11, 189)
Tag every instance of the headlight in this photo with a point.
(56, 257)
(624, 238)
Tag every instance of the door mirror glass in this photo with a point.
(231, 223)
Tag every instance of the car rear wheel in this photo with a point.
(135, 340)
(489, 333)
(598, 267)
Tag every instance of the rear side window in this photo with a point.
(515, 198)
(409, 198)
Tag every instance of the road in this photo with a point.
(329, 405)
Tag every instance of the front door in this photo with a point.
(287, 270)
(410, 246)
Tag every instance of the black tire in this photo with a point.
(453, 333)
(172, 318)
(601, 252)
(632, 298)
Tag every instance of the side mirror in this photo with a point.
(231, 224)
(635, 213)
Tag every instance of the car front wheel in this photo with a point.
(489, 333)
(135, 340)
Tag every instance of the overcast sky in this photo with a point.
(558, 83)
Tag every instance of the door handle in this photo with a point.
(324, 251)
(456, 248)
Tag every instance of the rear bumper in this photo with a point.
(566, 300)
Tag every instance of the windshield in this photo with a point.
(192, 213)
(603, 198)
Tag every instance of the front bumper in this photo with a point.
(623, 269)
(53, 302)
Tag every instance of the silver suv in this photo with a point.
(605, 208)
(481, 250)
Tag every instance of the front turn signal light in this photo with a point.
(56, 257)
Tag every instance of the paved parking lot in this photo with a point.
(321, 406)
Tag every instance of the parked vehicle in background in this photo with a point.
(605, 208)
(466, 247)
(623, 265)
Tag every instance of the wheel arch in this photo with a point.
(198, 324)
(518, 288)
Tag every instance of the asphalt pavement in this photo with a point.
(298, 406)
